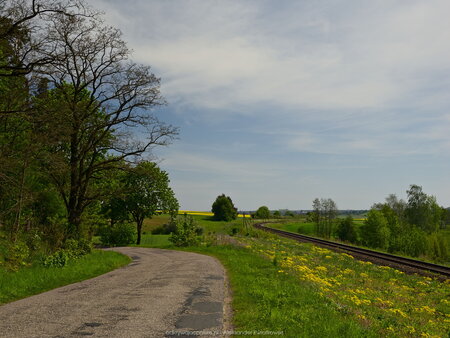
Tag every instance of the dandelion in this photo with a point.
(364, 275)
(425, 308)
(410, 329)
(384, 303)
(398, 312)
(322, 268)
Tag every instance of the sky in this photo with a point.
(280, 102)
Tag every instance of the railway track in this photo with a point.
(375, 256)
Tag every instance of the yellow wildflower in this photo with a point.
(398, 311)
(322, 268)
(425, 308)
(410, 329)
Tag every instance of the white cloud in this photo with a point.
(338, 77)
(330, 55)
(226, 169)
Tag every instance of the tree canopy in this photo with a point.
(223, 209)
(263, 212)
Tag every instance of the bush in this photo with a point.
(186, 233)
(437, 248)
(346, 230)
(413, 242)
(119, 234)
(77, 248)
(165, 229)
(15, 255)
(234, 230)
(58, 259)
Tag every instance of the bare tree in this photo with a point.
(96, 111)
(24, 25)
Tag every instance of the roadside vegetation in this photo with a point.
(417, 228)
(37, 278)
(282, 285)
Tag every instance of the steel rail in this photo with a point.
(420, 265)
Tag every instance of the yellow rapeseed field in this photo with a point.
(204, 213)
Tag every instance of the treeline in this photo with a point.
(75, 125)
(412, 227)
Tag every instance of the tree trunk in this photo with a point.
(139, 229)
(74, 223)
(18, 219)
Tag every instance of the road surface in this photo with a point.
(162, 293)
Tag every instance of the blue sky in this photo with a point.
(280, 102)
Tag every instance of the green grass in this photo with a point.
(306, 291)
(155, 241)
(156, 221)
(266, 300)
(209, 225)
(36, 279)
(297, 227)
(386, 300)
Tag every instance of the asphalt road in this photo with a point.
(162, 293)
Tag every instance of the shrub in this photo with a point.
(165, 229)
(186, 233)
(375, 232)
(77, 248)
(234, 230)
(16, 255)
(346, 230)
(413, 242)
(119, 234)
(58, 259)
(437, 248)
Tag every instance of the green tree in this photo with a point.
(422, 210)
(276, 214)
(98, 114)
(346, 230)
(262, 213)
(223, 209)
(147, 191)
(316, 216)
(375, 232)
(324, 214)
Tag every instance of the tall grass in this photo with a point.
(36, 279)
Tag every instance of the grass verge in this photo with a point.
(265, 300)
(36, 279)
